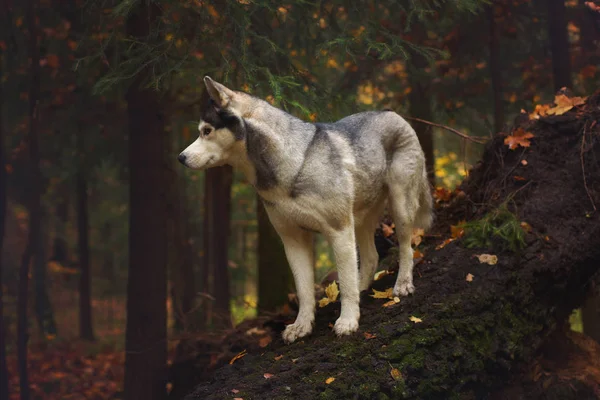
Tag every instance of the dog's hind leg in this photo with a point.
(368, 255)
(343, 243)
(404, 205)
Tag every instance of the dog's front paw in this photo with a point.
(345, 326)
(297, 330)
(403, 288)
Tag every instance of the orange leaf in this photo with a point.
(369, 335)
(518, 138)
(268, 375)
(457, 231)
(329, 380)
(417, 254)
(564, 104)
(388, 230)
(264, 341)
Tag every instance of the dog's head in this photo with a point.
(221, 127)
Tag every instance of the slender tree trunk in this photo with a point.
(275, 279)
(33, 197)
(146, 334)
(59, 245)
(496, 72)
(183, 292)
(420, 104)
(559, 44)
(85, 309)
(42, 305)
(217, 207)
(3, 187)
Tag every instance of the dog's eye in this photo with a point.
(206, 131)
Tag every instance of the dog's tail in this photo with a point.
(424, 216)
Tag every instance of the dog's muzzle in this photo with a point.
(181, 158)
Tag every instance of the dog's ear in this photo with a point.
(220, 94)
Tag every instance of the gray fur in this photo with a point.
(334, 178)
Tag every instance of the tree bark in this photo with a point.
(275, 279)
(217, 217)
(42, 305)
(86, 330)
(3, 187)
(496, 72)
(34, 197)
(559, 44)
(470, 337)
(183, 293)
(59, 245)
(146, 332)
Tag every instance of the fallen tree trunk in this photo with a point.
(468, 337)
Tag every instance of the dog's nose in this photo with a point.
(181, 158)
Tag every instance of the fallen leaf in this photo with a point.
(519, 138)
(264, 341)
(519, 178)
(268, 375)
(457, 231)
(526, 227)
(278, 357)
(369, 336)
(539, 111)
(417, 237)
(238, 356)
(294, 360)
(444, 243)
(470, 277)
(395, 300)
(442, 194)
(564, 104)
(592, 6)
(329, 380)
(255, 331)
(417, 254)
(415, 319)
(524, 162)
(382, 295)
(388, 230)
(395, 373)
(490, 259)
(380, 274)
(331, 292)
(234, 391)
(238, 398)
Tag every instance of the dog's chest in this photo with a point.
(306, 212)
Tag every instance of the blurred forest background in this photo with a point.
(98, 221)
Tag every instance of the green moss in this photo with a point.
(499, 228)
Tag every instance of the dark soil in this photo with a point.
(477, 339)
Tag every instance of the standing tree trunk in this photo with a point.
(183, 292)
(3, 187)
(85, 309)
(42, 306)
(275, 279)
(59, 245)
(146, 333)
(217, 215)
(559, 44)
(34, 198)
(420, 104)
(496, 72)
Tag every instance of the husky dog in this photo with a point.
(332, 178)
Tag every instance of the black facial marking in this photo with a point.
(219, 119)
(256, 146)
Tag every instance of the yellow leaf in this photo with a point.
(332, 291)
(380, 274)
(395, 373)
(526, 227)
(539, 111)
(470, 277)
(392, 302)
(278, 357)
(323, 302)
(415, 319)
(382, 295)
(488, 259)
(329, 380)
(564, 104)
